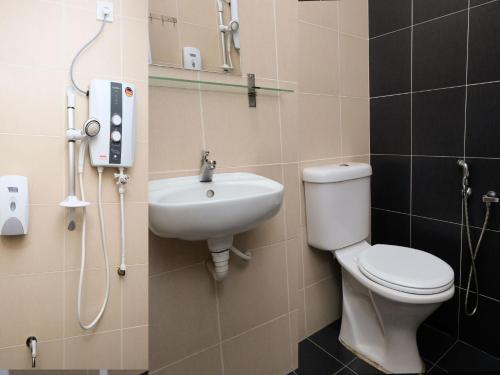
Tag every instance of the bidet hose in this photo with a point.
(84, 247)
(87, 45)
(473, 255)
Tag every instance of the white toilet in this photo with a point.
(388, 291)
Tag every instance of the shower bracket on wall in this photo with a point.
(252, 91)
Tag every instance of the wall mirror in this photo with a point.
(195, 35)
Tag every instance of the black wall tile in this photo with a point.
(438, 238)
(390, 63)
(438, 122)
(389, 15)
(390, 228)
(485, 176)
(484, 46)
(391, 182)
(439, 52)
(390, 125)
(481, 330)
(424, 10)
(437, 185)
(445, 317)
(483, 121)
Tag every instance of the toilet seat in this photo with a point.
(406, 270)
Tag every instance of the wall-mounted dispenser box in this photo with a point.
(14, 205)
(191, 58)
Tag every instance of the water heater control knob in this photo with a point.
(116, 136)
(116, 120)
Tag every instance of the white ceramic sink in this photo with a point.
(232, 203)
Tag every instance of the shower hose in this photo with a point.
(473, 255)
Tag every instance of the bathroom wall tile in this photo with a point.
(258, 35)
(134, 50)
(391, 182)
(294, 320)
(438, 238)
(323, 304)
(135, 297)
(181, 149)
(319, 127)
(286, 39)
(390, 50)
(319, 13)
(482, 115)
(253, 139)
(289, 112)
(301, 316)
(202, 12)
(93, 351)
(165, 7)
(137, 9)
(204, 38)
(423, 11)
(440, 52)
(318, 264)
(92, 297)
(436, 186)
(446, 317)
(89, 4)
(295, 274)
(265, 350)
(168, 254)
(354, 17)
(390, 125)
(45, 176)
(355, 126)
(484, 53)
(135, 348)
(440, 116)
(354, 69)
(19, 294)
(391, 228)
(165, 43)
(292, 199)
(389, 15)
(31, 42)
(262, 281)
(18, 356)
(207, 362)
(142, 109)
(24, 254)
(177, 300)
(318, 75)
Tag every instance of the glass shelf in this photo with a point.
(157, 81)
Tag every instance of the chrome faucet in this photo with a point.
(207, 167)
(31, 343)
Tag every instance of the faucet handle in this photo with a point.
(204, 154)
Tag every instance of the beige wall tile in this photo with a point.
(354, 17)
(319, 128)
(292, 199)
(93, 351)
(137, 9)
(135, 51)
(200, 12)
(354, 67)
(135, 297)
(318, 71)
(165, 43)
(301, 316)
(355, 126)
(206, 39)
(49, 357)
(295, 277)
(290, 125)
(92, 297)
(182, 309)
(206, 363)
(175, 134)
(294, 319)
(26, 254)
(317, 263)
(135, 348)
(238, 135)
(323, 304)
(265, 350)
(287, 35)
(261, 282)
(324, 13)
(165, 7)
(18, 295)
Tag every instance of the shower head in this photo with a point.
(465, 167)
(92, 127)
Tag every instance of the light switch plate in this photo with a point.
(103, 6)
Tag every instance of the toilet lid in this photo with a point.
(404, 269)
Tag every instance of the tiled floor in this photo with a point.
(322, 354)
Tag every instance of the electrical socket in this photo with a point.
(105, 7)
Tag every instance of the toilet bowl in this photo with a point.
(388, 291)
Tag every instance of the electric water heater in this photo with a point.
(113, 105)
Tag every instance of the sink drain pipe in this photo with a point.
(220, 258)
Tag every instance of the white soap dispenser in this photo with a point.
(14, 205)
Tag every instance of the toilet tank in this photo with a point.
(337, 204)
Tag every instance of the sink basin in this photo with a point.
(232, 203)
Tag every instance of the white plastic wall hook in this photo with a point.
(105, 8)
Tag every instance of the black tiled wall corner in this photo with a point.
(435, 98)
